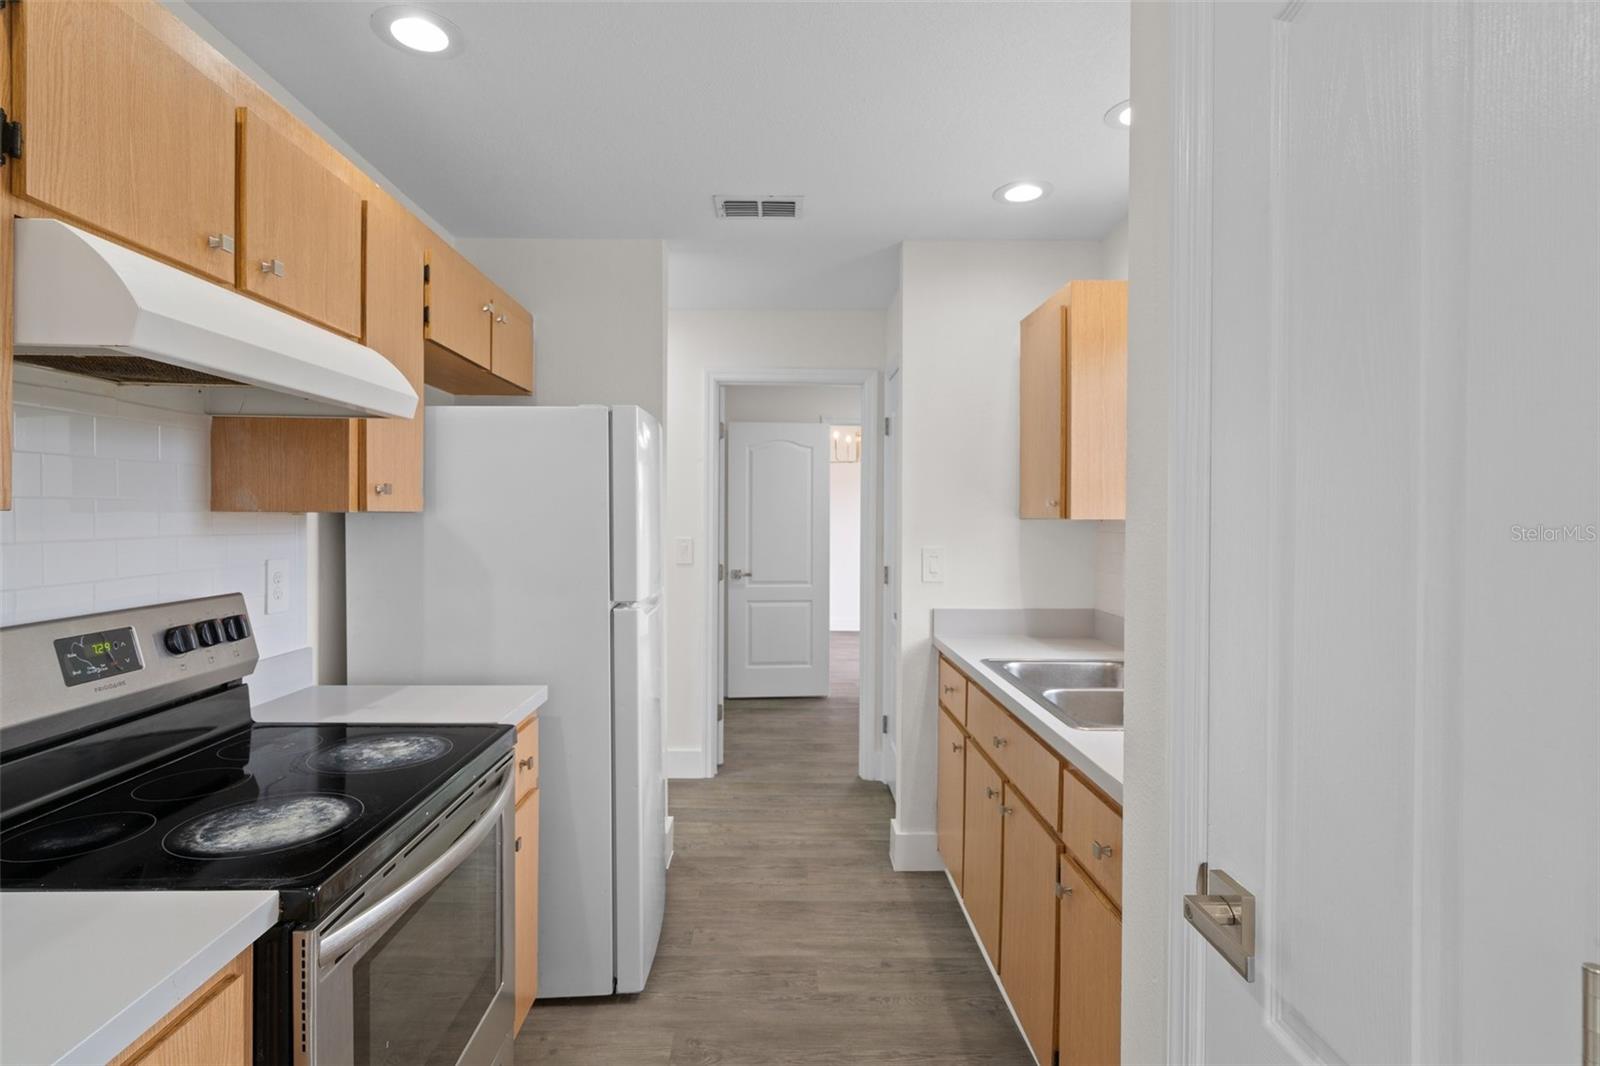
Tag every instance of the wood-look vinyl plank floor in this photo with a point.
(788, 939)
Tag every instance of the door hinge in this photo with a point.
(719, 712)
(719, 571)
(722, 431)
(885, 725)
(10, 138)
(888, 426)
(885, 575)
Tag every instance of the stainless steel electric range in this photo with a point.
(128, 761)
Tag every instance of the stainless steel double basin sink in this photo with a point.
(1083, 693)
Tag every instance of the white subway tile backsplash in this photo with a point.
(111, 510)
(40, 520)
(182, 444)
(41, 429)
(155, 555)
(77, 476)
(123, 438)
(126, 592)
(69, 561)
(21, 565)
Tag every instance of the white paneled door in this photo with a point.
(777, 559)
(1388, 481)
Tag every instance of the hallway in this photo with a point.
(788, 938)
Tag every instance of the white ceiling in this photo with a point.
(894, 120)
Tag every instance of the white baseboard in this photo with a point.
(913, 850)
(685, 763)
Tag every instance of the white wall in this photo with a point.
(599, 316)
(1109, 544)
(1114, 251)
(698, 342)
(834, 404)
(1147, 900)
(961, 305)
(844, 546)
(111, 510)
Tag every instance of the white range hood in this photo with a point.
(87, 306)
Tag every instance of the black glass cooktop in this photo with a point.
(306, 810)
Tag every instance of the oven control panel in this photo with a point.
(74, 672)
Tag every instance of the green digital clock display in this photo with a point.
(96, 656)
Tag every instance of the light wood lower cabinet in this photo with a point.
(980, 867)
(1028, 923)
(210, 1028)
(952, 794)
(1035, 853)
(526, 911)
(1089, 1028)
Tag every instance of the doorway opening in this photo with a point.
(793, 484)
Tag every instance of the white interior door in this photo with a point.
(1397, 674)
(777, 559)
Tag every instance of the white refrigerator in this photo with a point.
(537, 559)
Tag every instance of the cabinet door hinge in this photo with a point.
(427, 273)
(424, 314)
(10, 138)
(722, 431)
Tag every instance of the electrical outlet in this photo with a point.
(277, 585)
(933, 566)
(684, 549)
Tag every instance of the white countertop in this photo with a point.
(84, 974)
(1096, 752)
(405, 705)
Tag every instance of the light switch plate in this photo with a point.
(683, 549)
(933, 566)
(277, 585)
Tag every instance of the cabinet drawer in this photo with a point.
(1093, 833)
(1031, 766)
(952, 690)
(527, 757)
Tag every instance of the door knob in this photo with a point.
(1225, 914)
(736, 573)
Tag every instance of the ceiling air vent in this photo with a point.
(757, 207)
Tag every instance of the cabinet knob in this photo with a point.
(488, 308)
(1053, 504)
(526, 764)
(992, 794)
(999, 742)
(949, 690)
(273, 267)
(1063, 891)
(1101, 851)
(1004, 810)
(500, 320)
(955, 745)
(383, 488)
(220, 241)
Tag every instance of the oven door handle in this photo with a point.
(387, 911)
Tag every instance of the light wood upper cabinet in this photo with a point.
(980, 865)
(1089, 1027)
(952, 794)
(1028, 923)
(391, 449)
(209, 1028)
(526, 907)
(479, 340)
(299, 230)
(511, 353)
(1074, 403)
(460, 309)
(123, 134)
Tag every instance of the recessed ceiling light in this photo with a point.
(1022, 192)
(415, 30)
(1120, 117)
